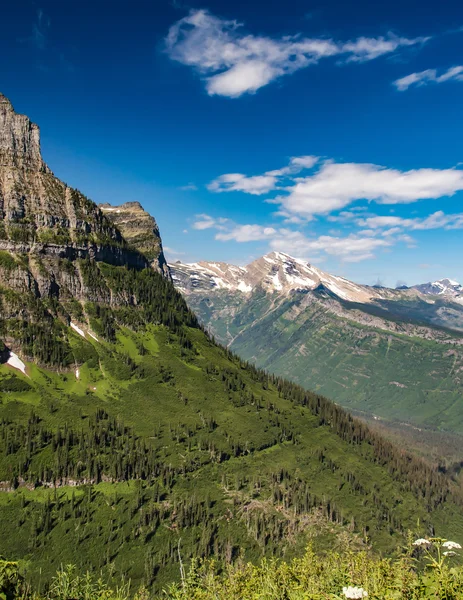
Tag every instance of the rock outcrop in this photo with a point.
(19, 140)
(140, 230)
(55, 243)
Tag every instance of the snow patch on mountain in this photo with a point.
(77, 329)
(15, 362)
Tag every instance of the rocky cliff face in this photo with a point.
(36, 208)
(55, 243)
(19, 140)
(140, 230)
(44, 221)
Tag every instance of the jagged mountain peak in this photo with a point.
(442, 287)
(19, 139)
(38, 212)
(275, 272)
(140, 230)
(5, 102)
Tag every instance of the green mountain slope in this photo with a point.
(129, 438)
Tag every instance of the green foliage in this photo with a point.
(7, 261)
(11, 581)
(333, 575)
(14, 384)
(320, 577)
(151, 433)
(58, 235)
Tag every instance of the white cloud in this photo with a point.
(247, 233)
(188, 187)
(429, 76)
(235, 63)
(352, 248)
(336, 185)
(173, 252)
(260, 184)
(364, 49)
(437, 220)
(207, 222)
(237, 182)
(305, 162)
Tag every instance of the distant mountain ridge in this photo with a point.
(373, 349)
(282, 273)
(442, 287)
(274, 272)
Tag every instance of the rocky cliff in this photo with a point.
(140, 230)
(52, 241)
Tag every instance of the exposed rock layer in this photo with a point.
(140, 230)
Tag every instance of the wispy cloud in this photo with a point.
(247, 233)
(40, 30)
(437, 220)
(352, 248)
(189, 187)
(204, 221)
(429, 76)
(234, 62)
(261, 184)
(334, 186)
(48, 57)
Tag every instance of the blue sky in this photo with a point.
(326, 129)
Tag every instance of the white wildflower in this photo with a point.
(421, 542)
(450, 553)
(451, 545)
(354, 592)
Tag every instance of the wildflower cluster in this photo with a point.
(354, 592)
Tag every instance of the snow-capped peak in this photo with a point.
(442, 287)
(276, 272)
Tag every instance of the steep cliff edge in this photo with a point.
(140, 230)
(52, 239)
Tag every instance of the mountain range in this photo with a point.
(130, 438)
(394, 354)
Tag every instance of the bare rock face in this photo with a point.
(36, 208)
(19, 140)
(57, 246)
(46, 226)
(140, 230)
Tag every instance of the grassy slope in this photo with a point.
(95, 526)
(390, 375)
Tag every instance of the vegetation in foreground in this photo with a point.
(425, 569)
